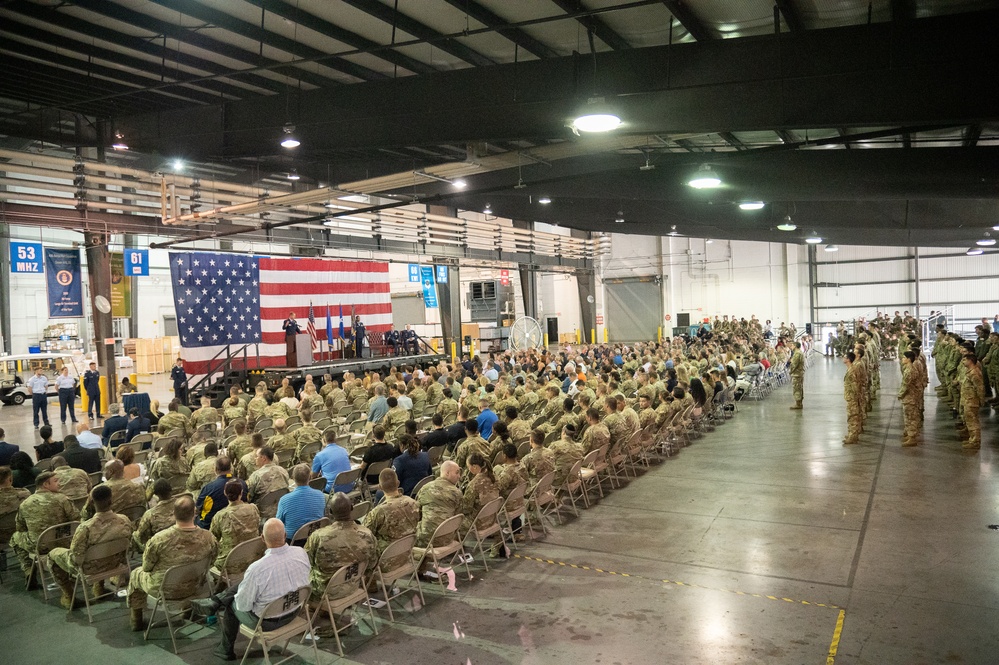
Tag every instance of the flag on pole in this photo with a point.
(311, 328)
(341, 322)
(329, 325)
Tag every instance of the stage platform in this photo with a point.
(337, 368)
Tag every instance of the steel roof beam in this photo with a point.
(333, 31)
(734, 85)
(488, 18)
(791, 16)
(688, 19)
(604, 32)
(52, 39)
(197, 39)
(420, 31)
(141, 44)
(243, 28)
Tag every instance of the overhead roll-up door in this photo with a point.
(633, 309)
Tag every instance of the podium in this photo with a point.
(303, 350)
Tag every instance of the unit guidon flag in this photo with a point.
(236, 299)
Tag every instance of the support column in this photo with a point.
(99, 274)
(529, 289)
(449, 302)
(586, 283)
(5, 287)
(131, 241)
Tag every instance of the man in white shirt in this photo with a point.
(86, 438)
(282, 569)
(38, 386)
(491, 372)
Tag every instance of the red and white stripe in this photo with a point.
(289, 285)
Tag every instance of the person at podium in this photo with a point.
(360, 338)
(291, 328)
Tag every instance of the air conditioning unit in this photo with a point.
(489, 300)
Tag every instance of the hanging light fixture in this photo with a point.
(119, 142)
(459, 184)
(293, 175)
(832, 248)
(545, 200)
(289, 140)
(620, 217)
(787, 224)
(751, 205)
(595, 116)
(987, 241)
(705, 178)
(813, 239)
(975, 251)
(488, 210)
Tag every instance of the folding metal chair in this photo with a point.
(446, 531)
(190, 575)
(57, 535)
(113, 556)
(490, 511)
(295, 602)
(352, 574)
(387, 577)
(307, 529)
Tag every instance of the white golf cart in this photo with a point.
(15, 370)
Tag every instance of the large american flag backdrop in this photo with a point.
(233, 299)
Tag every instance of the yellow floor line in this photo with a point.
(834, 645)
(697, 586)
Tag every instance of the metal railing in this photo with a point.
(225, 356)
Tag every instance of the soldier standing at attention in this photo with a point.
(972, 394)
(92, 384)
(797, 371)
(853, 396)
(179, 378)
(908, 394)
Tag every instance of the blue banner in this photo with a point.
(63, 280)
(414, 272)
(442, 274)
(26, 257)
(429, 289)
(136, 262)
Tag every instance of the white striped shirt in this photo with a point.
(280, 571)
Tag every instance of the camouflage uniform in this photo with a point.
(255, 409)
(246, 465)
(231, 412)
(797, 372)
(559, 425)
(101, 528)
(508, 476)
(303, 436)
(166, 467)
(283, 445)
(234, 524)
(618, 428)
(74, 483)
(538, 463)
(206, 415)
(176, 420)
(908, 394)
(392, 519)
(480, 491)
(596, 436)
(37, 513)
(239, 447)
(266, 479)
(154, 520)
(419, 397)
(520, 430)
(201, 474)
(334, 546)
(448, 409)
(125, 494)
(395, 417)
(566, 453)
(631, 419)
(853, 394)
(276, 410)
(195, 454)
(972, 394)
(472, 444)
(168, 548)
(313, 402)
(10, 499)
(438, 500)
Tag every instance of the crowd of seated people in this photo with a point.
(330, 476)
